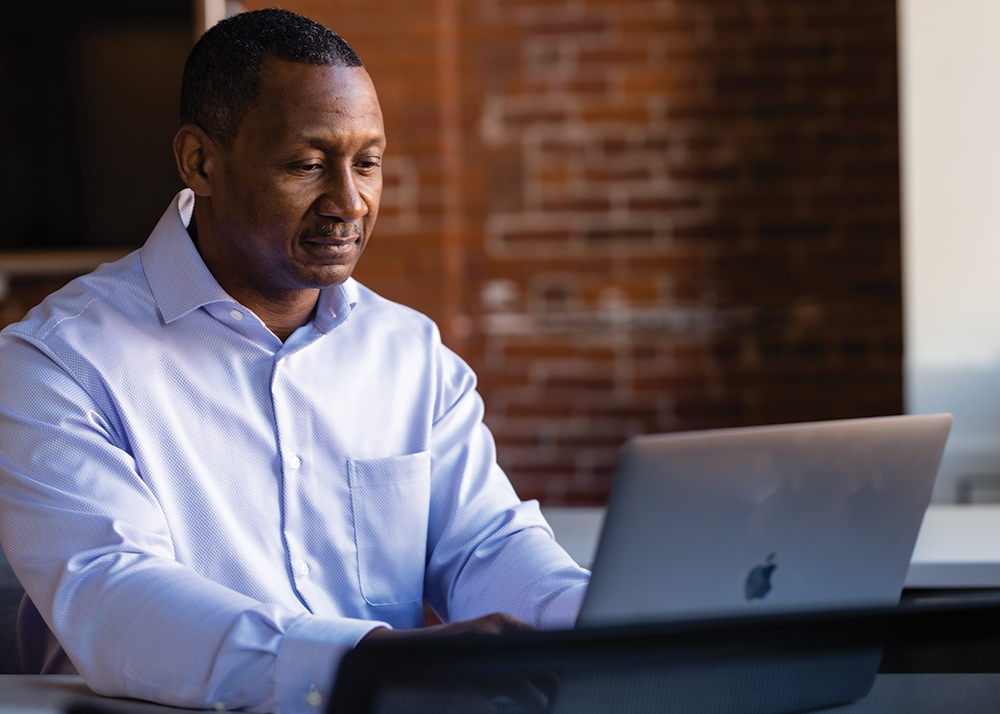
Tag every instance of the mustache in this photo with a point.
(336, 229)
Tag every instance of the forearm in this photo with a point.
(142, 627)
(529, 575)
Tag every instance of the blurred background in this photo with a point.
(628, 216)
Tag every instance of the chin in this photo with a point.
(329, 277)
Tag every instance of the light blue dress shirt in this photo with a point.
(206, 516)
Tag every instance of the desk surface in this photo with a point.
(56, 693)
(892, 694)
(958, 546)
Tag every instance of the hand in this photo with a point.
(510, 694)
(488, 625)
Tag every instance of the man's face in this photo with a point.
(298, 191)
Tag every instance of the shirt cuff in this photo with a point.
(311, 651)
(562, 613)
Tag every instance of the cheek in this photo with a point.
(247, 206)
(273, 212)
(373, 199)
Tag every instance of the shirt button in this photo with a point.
(237, 315)
(314, 698)
(294, 463)
(303, 568)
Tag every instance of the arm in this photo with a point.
(90, 544)
(487, 551)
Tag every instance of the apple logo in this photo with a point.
(759, 580)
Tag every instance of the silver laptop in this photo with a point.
(734, 522)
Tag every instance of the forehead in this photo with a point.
(303, 100)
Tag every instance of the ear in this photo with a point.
(195, 153)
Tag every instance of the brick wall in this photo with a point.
(640, 215)
(635, 216)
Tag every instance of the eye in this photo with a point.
(305, 167)
(367, 164)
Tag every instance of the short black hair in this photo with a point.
(222, 75)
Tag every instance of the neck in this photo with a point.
(282, 311)
(285, 317)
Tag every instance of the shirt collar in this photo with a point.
(181, 282)
(335, 305)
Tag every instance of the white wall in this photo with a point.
(950, 128)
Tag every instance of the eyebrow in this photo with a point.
(317, 140)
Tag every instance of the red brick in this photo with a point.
(528, 117)
(580, 383)
(536, 349)
(555, 176)
(643, 81)
(590, 441)
(539, 411)
(601, 113)
(568, 26)
(600, 235)
(530, 4)
(664, 203)
(645, 26)
(637, 290)
(617, 175)
(729, 230)
(563, 146)
(554, 236)
(614, 55)
(577, 205)
(704, 172)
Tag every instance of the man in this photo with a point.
(223, 462)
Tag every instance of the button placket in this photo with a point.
(290, 463)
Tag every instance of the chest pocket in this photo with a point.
(390, 499)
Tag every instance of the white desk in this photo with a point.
(56, 693)
(576, 530)
(958, 546)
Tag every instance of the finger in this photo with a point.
(503, 622)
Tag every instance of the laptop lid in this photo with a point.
(736, 522)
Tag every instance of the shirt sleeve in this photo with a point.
(487, 550)
(91, 546)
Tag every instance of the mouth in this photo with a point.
(331, 241)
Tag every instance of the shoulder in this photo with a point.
(92, 303)
(377, 311)
(397, 334)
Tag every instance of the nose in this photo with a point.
(342, 197)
